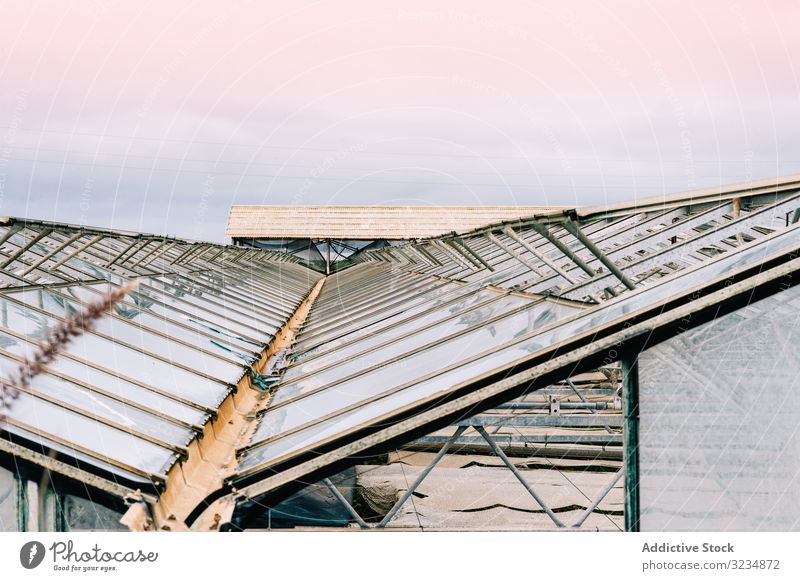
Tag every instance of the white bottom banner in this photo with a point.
(399, 555)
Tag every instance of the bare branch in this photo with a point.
(64, 332)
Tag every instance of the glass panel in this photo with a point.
(227, 313)
(109, 382)
(81, 457)
(90, 434)
(82, 514)
(351, 313)
(441, 296)
(193, 315)
(143, 339)
(390, 376)
(274, 422)
(482, 304)
(427, 335)
(145, 314)
(112, 355)
(8, 501)
(102, 406)
(220, 298)
(719, 447)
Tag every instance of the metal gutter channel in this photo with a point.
(212, 457)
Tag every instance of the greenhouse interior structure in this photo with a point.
(626, 367)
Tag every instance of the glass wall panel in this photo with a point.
(8, 501)
(719, 445)
(81, 514)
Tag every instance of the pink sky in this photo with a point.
(158, 115)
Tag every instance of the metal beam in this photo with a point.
(456, 257)
(413, 248)
(545, 232)
(460, 251)
(630, 391)
(25, 248)
(603, 493)
(566, 405)
(406, 255)
(124, 252)
(577, 421)
(16, 227)
(425, 252)
(474, 254)
(69, 471)
(573, 229)
(398, 505)
(343, 501)
(500, 454)
(50, 254)
(161, 249)
(78, 250)
(192, 248)
(583, 399)
(509, 231)
(587, 439)
(150, 253)
(508, 250)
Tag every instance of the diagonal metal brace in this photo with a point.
(411, 489)
(509, 231)
(343, 501)
(475, 255)
(573, 229)
(563, 248)
(585, 514)
(508, 250)
(500, 454)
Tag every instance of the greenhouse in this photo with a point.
(619, 367)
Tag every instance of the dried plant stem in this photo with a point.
(64, 332)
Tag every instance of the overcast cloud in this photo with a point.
(157, 116)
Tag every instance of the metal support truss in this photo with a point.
(16, 227)
(152, 251)
(508, 250)
(508, 231)
(454, 256)
(591, 508)
(573, 229)
(475, 265)
(94, 240)
(500, 454)
(119, 256)
(26, 247)
(425, 252)
(583, 400)
(454, 439)
(340, 497)
(563, 248)
(407, 255)
(463, 243)
(411, 489)
(411, 249)
(162, 248)
(50, 254)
